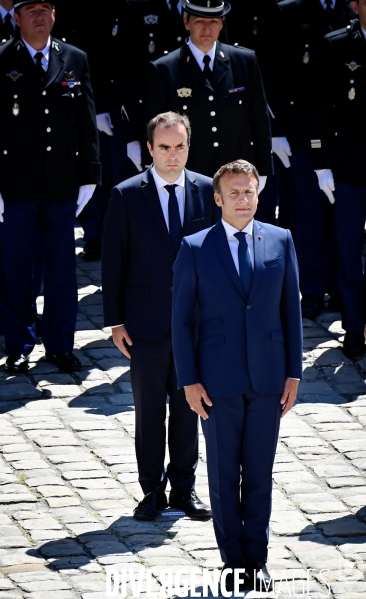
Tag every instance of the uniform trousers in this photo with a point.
(27, 227)
(153, 378)
(350, 206)
(241, 436)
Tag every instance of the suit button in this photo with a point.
(249, 307)
(210, 98)
(46, 111)
(216, 144)
(44, 93)
(213, 113)
(170, 288)
(49, 148)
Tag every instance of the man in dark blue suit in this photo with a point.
(146, 219)
(243, 373)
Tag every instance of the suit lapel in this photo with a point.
(55, 65)
(221, 65)
(258, 246)
(152, 200)
(191, 199)
(223, 249)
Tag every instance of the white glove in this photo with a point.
(281, 147)
(85, 193)
(134, 153)
(1, 209)
(326, 183)
(262, 182)
(104, 123)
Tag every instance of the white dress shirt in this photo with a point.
(164, 195)
(325, 6)
(234, 242)
(45, 52)
(199, 55)
(4, 12)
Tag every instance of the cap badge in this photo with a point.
(184, 92)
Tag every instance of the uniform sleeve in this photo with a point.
(260, 123)
(88, 141)
(321, 127)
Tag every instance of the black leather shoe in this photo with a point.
(311, 306)
(229, 580)
(92, 250)
(258, 576)
(354, 346)
(65, 361)
(190, 503)
(17, 364)
(151, 504)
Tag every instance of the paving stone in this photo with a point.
(19, 391)
(344, 481)
(55, 502)
(347, 526)
(88, 474)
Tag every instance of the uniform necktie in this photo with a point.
(8, 26)
(175, 224)
(329, 8)
(245, 265)
(207, 71)
(39, 66)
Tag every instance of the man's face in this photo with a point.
(170, 151)
(238, 198)
(35, 22)
(360, 9)
(204, 32)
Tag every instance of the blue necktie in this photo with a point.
(245, 265)
(175, 224)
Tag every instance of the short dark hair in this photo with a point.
(237, 166)
(168, 119)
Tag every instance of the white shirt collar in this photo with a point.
(364, 32)
(179, 6)
(160, 182)
(198, 54)
(230, 230)
(45, 51)
(4, 12)
(324, 5)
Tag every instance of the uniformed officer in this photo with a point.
(298, 28)
(339, 148)
(7, 24)
(219, 87)
(48, 170)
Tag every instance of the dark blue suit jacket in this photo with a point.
(138, 255)
(255, 340)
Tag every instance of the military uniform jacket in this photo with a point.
(339, 127)
(298, 28)
(48, 137)
(229, 117)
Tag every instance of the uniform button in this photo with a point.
(48, 129)
(352, 81)
(214, 128)
(170, 288)
(213, 113)
(251, 143)
(47, 111)
(249, 307)
(5, 151)
(240, 101)
(77, 153)
(292, 102)
(44, 93)
(179, 39)
(210, 98)
(165, 51)
(216, 143)
(306, 45)
(112, 80)
(184, 107)
(15, 96)
(151, 34)
(49, 148)
(140, 101)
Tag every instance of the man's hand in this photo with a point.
(120, 338)
(281, 147)
(262, 182)
(104, 123)
(134, 153)
(85, 193)
(289, 395)
(194, 395)
(326, 183)
(1, 209)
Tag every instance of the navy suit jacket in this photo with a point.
(138, 255)
(242, 341)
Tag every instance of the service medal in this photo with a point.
(306, 58)
(352, 93)
(151, 47)
(16, 109)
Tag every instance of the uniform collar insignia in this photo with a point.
(151, 19)
(357, 33)
(56, 47)
(19, 45)
(353, 65)
(69, 76)
(184, 92)
(14, 75)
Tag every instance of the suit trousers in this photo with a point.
(153, 378)
(241, 436)
(350, 208)
(27, 227)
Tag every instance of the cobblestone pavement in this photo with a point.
(69, 482)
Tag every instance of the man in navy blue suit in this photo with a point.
(242, 375)
(146, 219)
